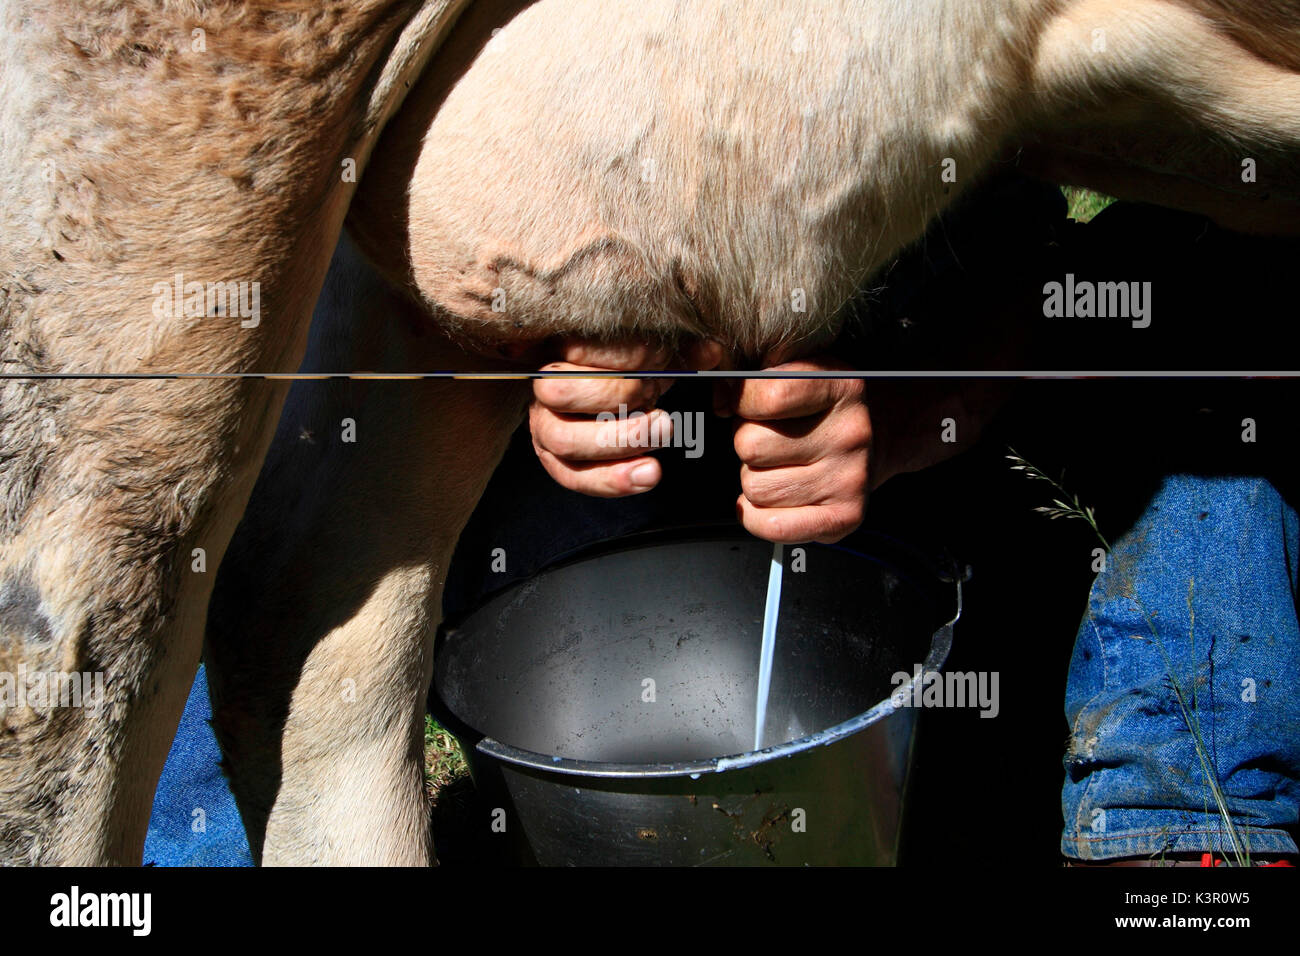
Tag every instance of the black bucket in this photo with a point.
(607, 703)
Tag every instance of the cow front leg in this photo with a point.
(175, 178)
(122, 496)
(320, 630)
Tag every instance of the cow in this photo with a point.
(176, 179)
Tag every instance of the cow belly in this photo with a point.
(598, 170)
(664, 168)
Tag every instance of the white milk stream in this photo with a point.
(770, 613)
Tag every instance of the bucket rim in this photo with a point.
(940, 567)
(940, 646)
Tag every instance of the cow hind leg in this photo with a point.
(320, 629)
(1163, 56)
(1185, 102)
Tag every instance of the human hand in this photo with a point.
(808, 454)
(600, 458)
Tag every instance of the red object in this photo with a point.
(1207, 859)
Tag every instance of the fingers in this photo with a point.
(581, 438)
(828, 482)
(590, 396)
(765, 399)
(602, 458)
(803, 441)
(805, 446)
(824, 524)
(616, 479)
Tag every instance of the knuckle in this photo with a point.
(539, 420)
(555, 468)
(553, 392)
(756, 488)
(559, 440)
(783, 394)
(855, 428)
(748, 442)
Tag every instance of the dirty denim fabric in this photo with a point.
(192, 781)
(1211, 569)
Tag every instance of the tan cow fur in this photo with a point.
(800, 148)
(127, 157)
(795, 145)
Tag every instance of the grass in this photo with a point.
(1059, 508)
(444, 760)
(1084, 203)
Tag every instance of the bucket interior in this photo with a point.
(649, 652)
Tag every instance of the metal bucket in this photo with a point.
(607, 703)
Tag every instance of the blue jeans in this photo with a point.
(195, 821)
(1198, 598)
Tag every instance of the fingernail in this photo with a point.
(643, 475)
